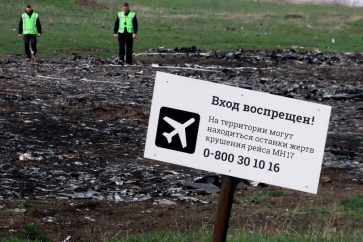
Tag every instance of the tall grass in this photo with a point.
(250, 237)
(30, 233)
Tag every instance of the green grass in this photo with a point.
(263, 196)
(355, 202)
(353, 207)
(250, 237)
(218, 24)
(30, 233)
(323, 225)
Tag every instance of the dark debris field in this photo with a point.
(75, 128)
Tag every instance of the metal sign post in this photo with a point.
(229, 184)
(224, 208)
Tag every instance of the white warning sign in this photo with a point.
(237, 132)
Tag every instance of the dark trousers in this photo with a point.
(30, 39)
(125, 40)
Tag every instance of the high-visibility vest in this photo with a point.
(126, 22)
(30, 23)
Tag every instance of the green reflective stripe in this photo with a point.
(30, 23)
(126, 22)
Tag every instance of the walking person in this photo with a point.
(125, 30)
(30, 28)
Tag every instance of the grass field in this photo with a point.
(203, 237)
(73, 28)
(326, 224)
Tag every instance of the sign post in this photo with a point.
(237, 133)
(223, 215)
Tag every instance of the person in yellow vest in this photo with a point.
(125, 30)
(29, 29)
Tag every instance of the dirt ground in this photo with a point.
(289, 211)
(73, 132)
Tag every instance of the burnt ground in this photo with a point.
(73, 131)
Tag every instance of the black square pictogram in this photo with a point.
(177, 130)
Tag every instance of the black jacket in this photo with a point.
(134, 23)
(39, 26)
